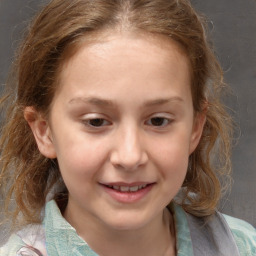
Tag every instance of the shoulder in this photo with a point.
(12, 246)
(244, 234)
(30, 239)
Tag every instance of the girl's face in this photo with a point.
(122, 127)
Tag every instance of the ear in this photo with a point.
(41, 131)
(198, 127)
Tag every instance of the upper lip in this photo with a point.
(125, 184)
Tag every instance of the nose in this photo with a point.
(129, 150)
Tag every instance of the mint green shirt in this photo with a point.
(57, 237)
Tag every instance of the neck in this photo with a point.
(156, 238)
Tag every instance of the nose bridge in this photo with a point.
(129, 150)
(131, 141)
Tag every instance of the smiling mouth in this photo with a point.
(127, 188)
(128, 193)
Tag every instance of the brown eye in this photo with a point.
(97, 122)
(158, 121)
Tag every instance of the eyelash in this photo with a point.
(162, 120)
(101, 122)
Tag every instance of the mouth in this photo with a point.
(128, 193)
(127, 188)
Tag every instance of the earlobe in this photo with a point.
(198, 128)
(41, 131)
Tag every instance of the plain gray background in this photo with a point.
(233, 31)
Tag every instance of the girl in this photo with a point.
(115, 141)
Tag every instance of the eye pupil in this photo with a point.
(157, 121)
(97, 122)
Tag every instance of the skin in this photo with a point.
(123, 115)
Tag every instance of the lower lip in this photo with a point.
(128, 197)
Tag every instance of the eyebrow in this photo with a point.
(162, 101)
(109, 103)
(93, 101)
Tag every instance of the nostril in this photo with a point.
(129, 161)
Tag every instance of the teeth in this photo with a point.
(124, 189)
(128, 189)
(134, 189)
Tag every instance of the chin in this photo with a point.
(127, 223)
(126, 226)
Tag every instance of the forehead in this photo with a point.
(99, 42)
(119, 60)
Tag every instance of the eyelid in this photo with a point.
(93, 116)
(164, 116)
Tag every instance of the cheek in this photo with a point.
(80, 168)
(173, 162)
(171, 155)
(80, 159)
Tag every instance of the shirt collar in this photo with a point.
(62, 239)
(183, 237)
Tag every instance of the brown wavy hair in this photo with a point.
(54, 35)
